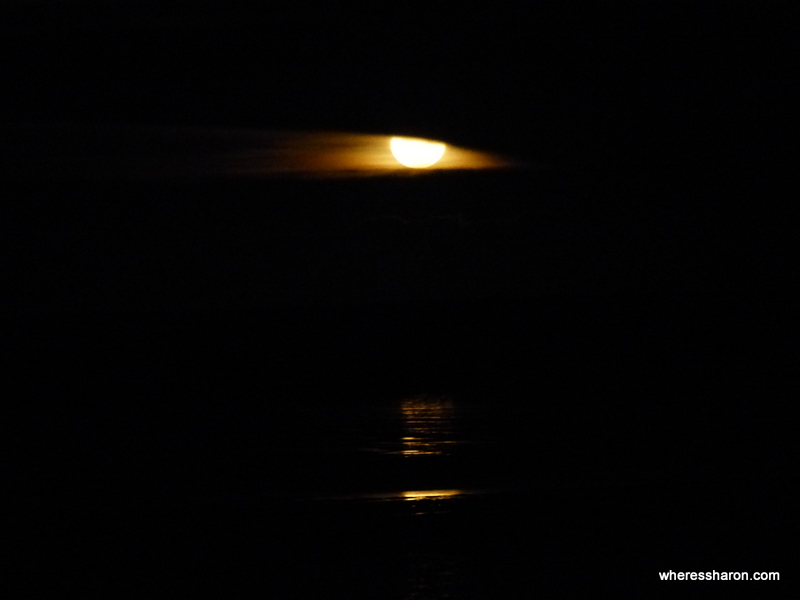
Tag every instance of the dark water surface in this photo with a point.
(422, 496)
(455, 387)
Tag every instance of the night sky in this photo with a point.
(650, 214)
(655, 134)
(571, 83)
(650, 220)
(636, 265)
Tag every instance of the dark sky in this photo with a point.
(571, 81)
(634, 289)
(657, 131)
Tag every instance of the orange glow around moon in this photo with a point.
(333, 154)
(188, 153)
(430, 494)
(416, 154)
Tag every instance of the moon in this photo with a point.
(416, 154)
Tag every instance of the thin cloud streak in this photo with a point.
(123, 152)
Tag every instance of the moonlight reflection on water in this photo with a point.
(428, 425)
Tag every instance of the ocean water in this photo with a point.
(418, 496)
(476, 388)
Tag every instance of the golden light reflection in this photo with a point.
(415, 153)
(428, 425)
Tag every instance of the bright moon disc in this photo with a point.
(416, 154)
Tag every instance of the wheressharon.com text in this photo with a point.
(719, 576)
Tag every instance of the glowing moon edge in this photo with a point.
(415, 153)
